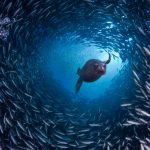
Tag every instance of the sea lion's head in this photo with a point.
(100, 67)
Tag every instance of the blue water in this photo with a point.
(64, 57)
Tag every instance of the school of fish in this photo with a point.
(32, 118)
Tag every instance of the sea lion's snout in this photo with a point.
(101, 69)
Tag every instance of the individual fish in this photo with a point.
(147, 51)
(126, 105)
(130, 122)
(87, 142)
(142, 112)
(95, 125)
(21, 126)
(13, 138)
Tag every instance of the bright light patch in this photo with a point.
(130, 39)
(110, 25)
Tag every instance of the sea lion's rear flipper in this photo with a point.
(78, 84)
(78, 71)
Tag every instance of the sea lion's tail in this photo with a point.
(78, 84)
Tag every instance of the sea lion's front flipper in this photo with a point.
(78, 85)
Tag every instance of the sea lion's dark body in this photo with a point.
(91, 71)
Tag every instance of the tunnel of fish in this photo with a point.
(36, 112)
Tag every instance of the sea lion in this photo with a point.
(91, 71)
